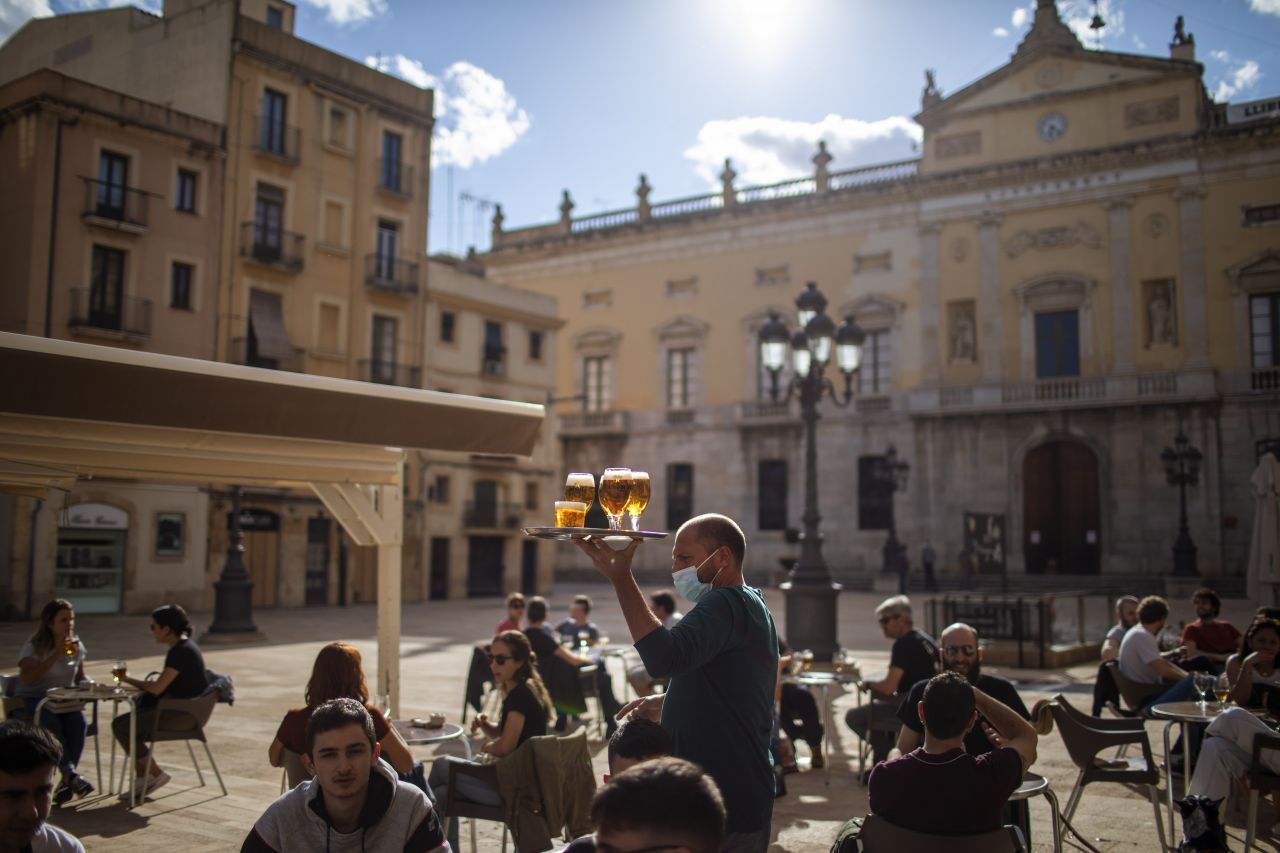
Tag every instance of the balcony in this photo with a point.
(491, 515)
(395, 178)
(1264, 381)
(764, 414)
(277, 141)
(1076, 392)
(388, 275)
(681, 417)
(127, 318)
(383, 372)
(113, 206)
(240, 354)
(271, 247)
(594, 424)
(493, 361)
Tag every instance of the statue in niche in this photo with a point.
(963, 345)
(1161, 330)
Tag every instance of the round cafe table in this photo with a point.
(1033, 784)
(115, 694)
(824, 680)
(416, 735)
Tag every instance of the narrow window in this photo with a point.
(180, 286)
(186, 196)
(448, 321)
(773, 494)
(679, 494)
(535, 345)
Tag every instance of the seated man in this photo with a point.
(913, 659)
(638, 739)
(29, 758)
(1142, 662)
(939, 788)
(661, 805)
(663, 605)
(1209, 637)
(353, 802)
(544, 645)
(573, 629)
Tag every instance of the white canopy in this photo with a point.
(1264, 547)
(71, 410)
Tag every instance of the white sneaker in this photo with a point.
(145, 787)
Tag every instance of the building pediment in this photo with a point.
(1258, 273)
(874, 310)
(682, 327)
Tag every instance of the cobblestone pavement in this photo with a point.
(436, 645)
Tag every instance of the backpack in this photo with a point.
(847, 838)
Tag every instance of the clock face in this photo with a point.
(1052, 127)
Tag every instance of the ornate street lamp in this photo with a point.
(892, 473)
(1182, 468)
(810, 592)
(233, 602)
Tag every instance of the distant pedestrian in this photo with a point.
(928, 557)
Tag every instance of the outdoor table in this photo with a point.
(105, 693)
(1033, 784)
(824, 680)
(607, 652)
(416, 735)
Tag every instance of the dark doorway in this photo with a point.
(1061, 520)
(317, 580)
(484, 566)
(529, 568)
(439, 577)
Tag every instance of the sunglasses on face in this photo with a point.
(500, 659)
(966, 650)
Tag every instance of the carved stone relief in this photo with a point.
(597, 298)
(682, 288)
(773, 276)
(959, 145)
(1157, 225)
(875, 261)
(959, 249)
(1158, 300)
(1057, 237)
(962, 325)
(1154, 111)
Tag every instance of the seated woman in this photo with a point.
(338, 673)
(183, 677)
(54, 657)
(1254, 677)
(526, 708)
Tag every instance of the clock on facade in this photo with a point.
(1051, 127)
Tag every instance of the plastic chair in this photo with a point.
(460, 808)
(880, 836)
(1259, 779)
(184, 720)
(1136, 696)
(1084, 740)
(294, 773)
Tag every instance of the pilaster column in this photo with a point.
(931, 348)
(1191, 234)
(990, 305)
(1123, 333)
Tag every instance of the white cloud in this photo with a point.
(1078, 14)
(1245, 75)
(15, 13)
(1139, 43)
(1020, 17)
(1000, 32)
(1220, 55)
(1266, 7)
(765, 150)
(342, 12)
(476, 117)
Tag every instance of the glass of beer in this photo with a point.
(615, 493)
(580, 487)
(118, 670)
(571, 514)
(1222, 690)
(639, 497)
(70, 646)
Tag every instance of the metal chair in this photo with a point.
(880, 836)
(184, 720)
(1259, 779)
(591, 690)
(1084, 740)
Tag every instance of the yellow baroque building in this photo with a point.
(1083, 261)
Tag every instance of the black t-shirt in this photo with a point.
(535, 716)
(916, 654)
(975, 743)
(543, 644)
(185, 657)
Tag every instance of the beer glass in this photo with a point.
(118, 670)
(639, 497)
(1222, 690)
(580, 487)
(615, 492)
(571, 514)
(70, 647)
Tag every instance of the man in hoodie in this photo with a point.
(353, 802)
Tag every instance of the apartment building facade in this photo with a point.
(1082, 263)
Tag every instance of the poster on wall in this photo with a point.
(984, 543)
(171, 534)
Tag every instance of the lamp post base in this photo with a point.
(1184, 558)
(811, 617)
(233, 608)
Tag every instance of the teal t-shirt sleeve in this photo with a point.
(694, 641)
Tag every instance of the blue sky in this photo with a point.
(536, 96)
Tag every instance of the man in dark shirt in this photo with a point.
(913, 659)
(579, 625)
(941, 789)
(1209, 637)
(722, 659)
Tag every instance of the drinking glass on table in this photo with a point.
(1222, 689)
(615, 493)
(1204, 683)
(69, 647)
(118, 671)
(639, 498)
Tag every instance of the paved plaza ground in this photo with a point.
(436, 645)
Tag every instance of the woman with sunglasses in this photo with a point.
(338, 673)
(54, 657)
(183, 677)
(526, 709)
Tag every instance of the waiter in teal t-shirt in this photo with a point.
(722, 661)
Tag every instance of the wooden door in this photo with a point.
(1061, 518)
(262, 559)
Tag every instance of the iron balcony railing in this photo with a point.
(277, 139)
(492, 515)
(93, 308)
(382, 272)
(241, 354)
(385, 372)
(395, 177)
(493, 361)
(115, 204)
(273, 246)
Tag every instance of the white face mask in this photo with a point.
(687, 583)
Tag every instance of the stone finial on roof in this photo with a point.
(821, 160)
(1183, 45)
(1047, 30)
(726, 184)
(496, 236)
(642, 198)
(931, 94)
(566, 209)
